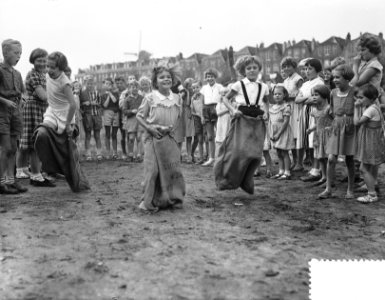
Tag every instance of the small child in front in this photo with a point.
(281, 133)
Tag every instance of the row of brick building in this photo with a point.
(223, 59)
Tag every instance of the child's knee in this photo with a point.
(332, 159)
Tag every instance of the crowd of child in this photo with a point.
(321, 114)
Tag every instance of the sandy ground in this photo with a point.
(97, 245)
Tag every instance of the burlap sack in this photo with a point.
(240, 154)
(164, 184)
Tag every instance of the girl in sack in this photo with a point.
(159, 113)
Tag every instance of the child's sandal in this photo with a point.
(284, 177)
(276, 176)
(268, 174)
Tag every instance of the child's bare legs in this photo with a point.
(281, 163)
(87, 143)
(114, 138)
(107, 138)
(8, 162)
(22, 159)
(368, 177)
(323, 164)
(286, 161)
(188, 147)
(98, 143)
(139, 143)
(349, 160)
(266, 155)
(130, 145)
(5, 149)
(294, 154)
(299, 164)
(123, 141)
(211, 139)
(331, 167)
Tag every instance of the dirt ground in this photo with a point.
(221, 245)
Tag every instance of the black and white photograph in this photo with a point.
(195, 150)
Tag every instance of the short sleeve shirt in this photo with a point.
(290, 84)
(309, 85)
(57, 100)
(33, 80)
(11, 83)
(211, 94)
(252, 89)
(372, 113)
(375, 64)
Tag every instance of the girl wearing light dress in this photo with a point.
(281, 133)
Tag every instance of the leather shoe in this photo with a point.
(7, 189)
(46, 183)
(18, 187)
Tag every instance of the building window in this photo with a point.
(267, 56)
(327, 50)
(289, 52)
(296, 53)
(275, 67)
(303, 52)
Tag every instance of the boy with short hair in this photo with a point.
(90, 105)
(11, 88)
(211, 96)
(110, 103)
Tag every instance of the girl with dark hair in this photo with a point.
(159, 113)
(54, 138)
(305, 141)
(33, 111)
(366, 67)
(342, 137)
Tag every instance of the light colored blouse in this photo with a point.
(252, 89)
(159, 109)
(291, 83)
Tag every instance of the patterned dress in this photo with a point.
(34, 108)
(290, 84)
(342, 136)
(277, 113)
(371, 141)
(321, 136)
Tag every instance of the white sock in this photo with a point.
(37, 177)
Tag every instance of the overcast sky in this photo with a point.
(92, 32)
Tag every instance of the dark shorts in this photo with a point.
(11, 120)
(91, 122)
(198, 125)
(209, 113)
